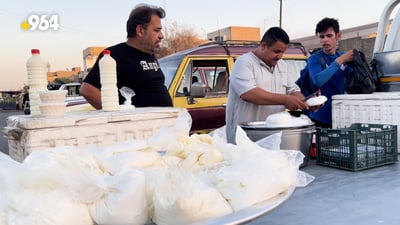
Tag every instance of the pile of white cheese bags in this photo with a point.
(170, 178)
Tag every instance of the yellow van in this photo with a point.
(197, 79)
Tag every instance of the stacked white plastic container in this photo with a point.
(37, 80)
(108, 79)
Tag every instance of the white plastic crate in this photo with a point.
(375, 108)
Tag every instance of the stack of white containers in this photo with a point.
(52, 103)
(108, 79)
(37, 80)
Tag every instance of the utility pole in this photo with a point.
(280, 13)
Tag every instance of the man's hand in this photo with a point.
(91, 94)
(315, 108)
(295, 102)
(346, 57)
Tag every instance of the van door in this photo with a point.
(203, 90)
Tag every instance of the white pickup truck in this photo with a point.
(73, 96)
(382, 107)
(387, 48)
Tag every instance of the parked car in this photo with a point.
(211, 64)
(73, 96)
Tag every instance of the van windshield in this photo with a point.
(294, 66)
(169, 68)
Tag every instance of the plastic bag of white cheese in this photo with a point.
(183, 198)
(68, 168)
(10, 173)
(254, 174)
(44, 207)
(128, 154)
(254, 178)
(125, 201)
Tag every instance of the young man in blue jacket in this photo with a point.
(329, 79)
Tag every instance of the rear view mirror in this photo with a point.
(185, 91)
(198, 90)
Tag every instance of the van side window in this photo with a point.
(211, 75)
(221, 82)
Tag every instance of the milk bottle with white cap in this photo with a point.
(108, 79)
(37, 80)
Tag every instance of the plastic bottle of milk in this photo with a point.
(108, 79)
(37, 80)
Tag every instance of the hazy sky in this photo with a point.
(102, 23)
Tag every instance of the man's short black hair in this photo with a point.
(275, 34)
(141, 15)
(325, 24)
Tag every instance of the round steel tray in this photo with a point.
(251, 213)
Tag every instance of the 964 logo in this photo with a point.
(41, 22)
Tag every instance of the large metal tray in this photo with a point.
(251, 213)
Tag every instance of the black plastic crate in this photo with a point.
(358, 147)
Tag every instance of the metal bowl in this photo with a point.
(293, 137)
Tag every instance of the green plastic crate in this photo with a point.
(358, 147)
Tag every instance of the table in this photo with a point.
(339, 197)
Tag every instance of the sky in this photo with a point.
(90, 23)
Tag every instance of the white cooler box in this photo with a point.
(26, 133)
(375, 108)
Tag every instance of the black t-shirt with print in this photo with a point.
(138, 71)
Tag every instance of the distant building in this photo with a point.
(360, 37)
(75, 75)
(235, 33)
(363, 32)
(90, 56)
